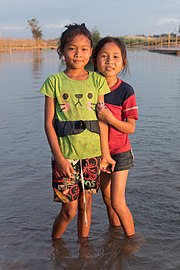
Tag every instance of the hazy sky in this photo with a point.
(110, 17)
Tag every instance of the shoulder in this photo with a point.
(54, 80)
(51, 84)
(96, 76)
(124, 91)
(98, 80)
(120, 94)
(54, 77)
(127, 88)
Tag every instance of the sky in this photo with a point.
(109, 17)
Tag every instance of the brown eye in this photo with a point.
(90, 95)
(65, 96)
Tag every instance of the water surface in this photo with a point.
(27, 210)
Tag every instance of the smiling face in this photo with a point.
(77, 52)
(109, 60)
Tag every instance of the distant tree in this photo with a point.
(179, 30)
(95, 35)
(35, 29)
(172, 34)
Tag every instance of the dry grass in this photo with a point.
(13, 44)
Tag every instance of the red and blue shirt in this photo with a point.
(121, 101)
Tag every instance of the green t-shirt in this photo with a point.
(76, 100)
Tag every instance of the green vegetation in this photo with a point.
(130, 41)
(35, 29)
(95, 35)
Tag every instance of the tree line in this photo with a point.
(37, 32)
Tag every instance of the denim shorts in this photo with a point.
(124, 161)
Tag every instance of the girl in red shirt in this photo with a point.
(120, 112)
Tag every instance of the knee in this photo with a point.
(81, 206)
(107, 200)
(69, 212)
(119, 207)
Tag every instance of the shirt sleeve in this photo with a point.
(101, 84)
(130, 108)
(48, 88)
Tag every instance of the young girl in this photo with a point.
(120, 112)
(72, 130)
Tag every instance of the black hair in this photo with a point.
(72, 31)
(121, 46)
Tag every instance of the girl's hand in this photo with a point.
(107, 164)
(65, 168)
(104, 114)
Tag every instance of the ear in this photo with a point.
(124, 63)
(91, 51)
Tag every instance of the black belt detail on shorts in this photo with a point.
(64, 128)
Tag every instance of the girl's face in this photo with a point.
(77, 52)
(109, 60)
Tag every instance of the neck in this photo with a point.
(111, 81)
(76, 74)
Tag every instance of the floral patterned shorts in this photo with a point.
(67, 189)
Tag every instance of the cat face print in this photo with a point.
(79, 101)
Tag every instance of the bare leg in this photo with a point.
(106, 194)
(83, 228)
(67, 213)
(118, 201)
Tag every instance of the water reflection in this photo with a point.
(111, 251)
(37, 67)
(38, 58)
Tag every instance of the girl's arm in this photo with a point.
(128, 126)
(106, 160)
(63, 165)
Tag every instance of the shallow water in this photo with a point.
(27, 210)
